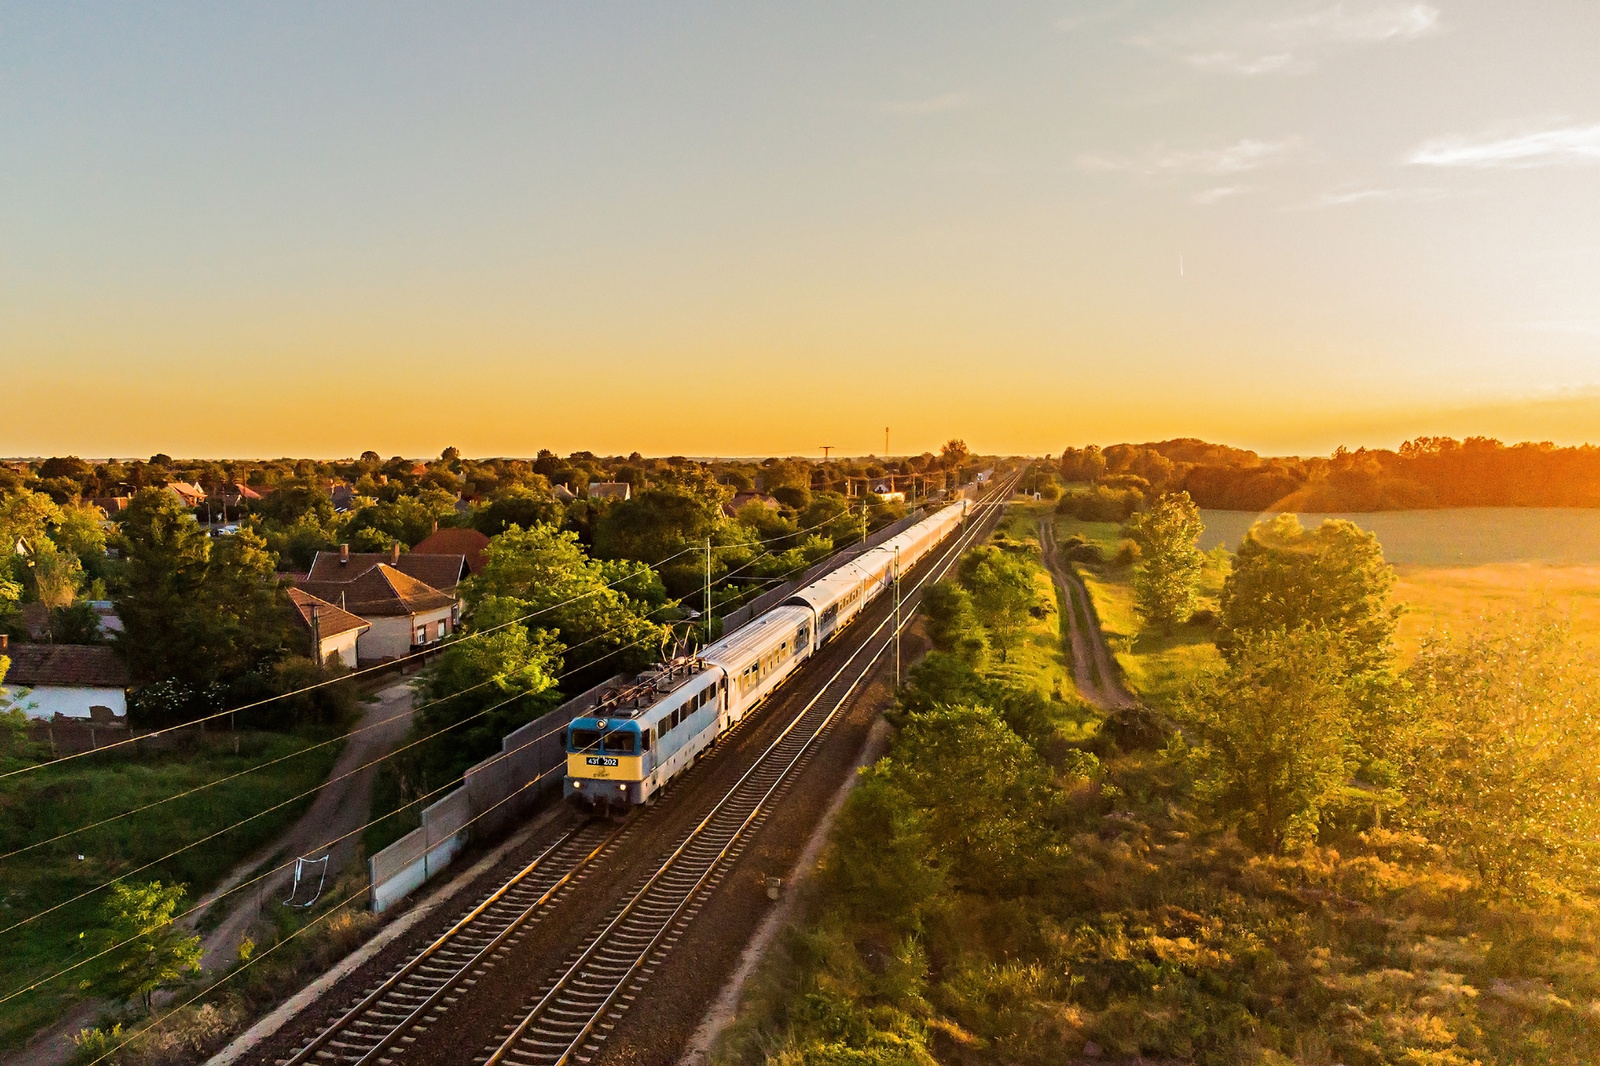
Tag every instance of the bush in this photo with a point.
(1127, 552)
(1086, 553)
(1101, 504)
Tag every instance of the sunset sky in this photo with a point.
(741, 228)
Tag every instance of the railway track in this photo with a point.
(575, 1010)
(430, 982)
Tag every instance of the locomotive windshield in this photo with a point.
(612, 741)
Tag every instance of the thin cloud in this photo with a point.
(1297, 43)
(1207, 197)
(1368, 195)
(1245, 155)
(1563, 146)
(932, 105)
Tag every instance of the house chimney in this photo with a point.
(5, 641)
(436, 525)
(394, 554)
(344, 555)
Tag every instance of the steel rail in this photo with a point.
(413, 991)
(565, 1016)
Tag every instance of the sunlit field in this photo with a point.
(1468, 536)
(1458, 598)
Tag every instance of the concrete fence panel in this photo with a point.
(493, 794)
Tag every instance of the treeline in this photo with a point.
(1429, 472)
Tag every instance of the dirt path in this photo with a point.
(1097, 679)
(337, 810)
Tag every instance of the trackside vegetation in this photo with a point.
(1314, 856)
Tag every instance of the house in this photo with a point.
(405, 615)
(563, 494)
(84, 681)
(343, 497)
(609, 490)
(440, 571)
(191, 495)
(331, 633)
(468, 543)
(112, 505)
(740, 499)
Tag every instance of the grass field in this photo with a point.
(57, 798)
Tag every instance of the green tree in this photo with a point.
(521, 505)
(601, 610)
(197, 612)
(1503, 771)
(1276, 730)
(953, 622)
(55, 574)
(883, 861)
(664, 525)
(158, 953)
(503, 672)
(1003, 593)
(1167, 581)
(983, 793)
(1332, 578)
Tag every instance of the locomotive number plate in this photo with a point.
(600, 760)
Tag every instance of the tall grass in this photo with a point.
(58, 798)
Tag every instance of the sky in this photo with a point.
(752, 228)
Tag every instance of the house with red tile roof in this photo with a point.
(443, 571)
(51, 681)
(405, 614)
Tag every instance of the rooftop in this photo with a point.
(71, 665)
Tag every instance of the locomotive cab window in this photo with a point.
(619, 743)
(584, 739)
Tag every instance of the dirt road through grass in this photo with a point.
(1097, 680)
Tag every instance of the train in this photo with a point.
(642, 734)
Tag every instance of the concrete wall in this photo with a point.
(493, 795)
(47, 701)
(341, 646)
(390, 638)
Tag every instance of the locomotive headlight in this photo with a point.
(577, 784)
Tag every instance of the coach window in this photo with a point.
(644, 740)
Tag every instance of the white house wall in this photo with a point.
(390, 638)
(47, 701)
(341, 646)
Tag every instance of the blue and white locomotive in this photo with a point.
(642, 734)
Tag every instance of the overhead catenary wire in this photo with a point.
(213, 899)
(343, 736)
(208, 902)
